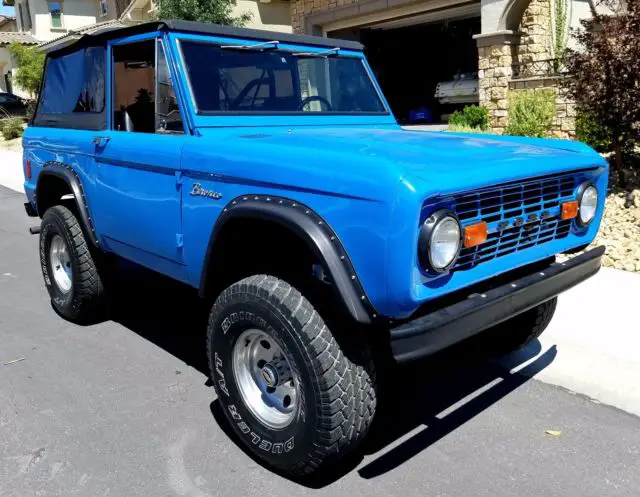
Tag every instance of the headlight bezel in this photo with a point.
(425, 238)
(581, 191)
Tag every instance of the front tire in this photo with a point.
(68, 267)
(524, 328)
(292, 396)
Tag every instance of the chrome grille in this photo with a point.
(519, 215)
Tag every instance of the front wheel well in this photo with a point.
(248, 246)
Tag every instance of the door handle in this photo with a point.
(100, 141)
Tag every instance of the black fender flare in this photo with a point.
(71, 177)
(313, 230)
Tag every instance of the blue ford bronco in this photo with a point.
(266, 170)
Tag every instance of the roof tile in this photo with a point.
(7, 37)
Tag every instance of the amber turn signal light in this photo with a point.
(569, 210)
(475, 234)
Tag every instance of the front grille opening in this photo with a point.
(527, 200)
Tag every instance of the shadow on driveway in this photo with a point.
(418, 404)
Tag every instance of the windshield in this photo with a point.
(230, 81)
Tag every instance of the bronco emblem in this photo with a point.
(198, 191)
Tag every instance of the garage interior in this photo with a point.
(410, 56)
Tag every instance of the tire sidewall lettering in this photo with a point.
(235, 318)
(62, 301)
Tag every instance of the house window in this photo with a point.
(55, 11)
(25, 16)
(104, 8)
(21, 15)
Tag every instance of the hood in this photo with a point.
(444, 161)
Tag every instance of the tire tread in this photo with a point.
(344, 411)
(88, 287)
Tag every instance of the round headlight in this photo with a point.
(588, 202)
(440, 241)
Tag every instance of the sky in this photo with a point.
(7, 11)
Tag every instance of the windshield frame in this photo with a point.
(282, 47)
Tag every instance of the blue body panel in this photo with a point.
(365, 176)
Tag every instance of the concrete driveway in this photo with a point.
(124, 408)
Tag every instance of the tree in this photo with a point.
(605, 81)
(211, 11)
(30, 64)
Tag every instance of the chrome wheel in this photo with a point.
(60, 261)
(263, 376)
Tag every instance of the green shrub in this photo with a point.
(461, 128)
(30, 62)
(11, 128)
(592, 132)
(531, 113)
(471, 116)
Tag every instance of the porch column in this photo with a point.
(497, 52)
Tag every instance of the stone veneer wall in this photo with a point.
(496, 71)
(302, 8)
(564, 124)
(536, 39)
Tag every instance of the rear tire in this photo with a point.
(69, 268)
(526, 327)
(333, 399)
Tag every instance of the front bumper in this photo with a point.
(479, 311)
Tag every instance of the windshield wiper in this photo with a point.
(267, 45)
(332, 52)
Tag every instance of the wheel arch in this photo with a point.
(309, 228)
(56, 180)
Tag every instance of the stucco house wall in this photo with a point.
(75, 13)
(274, 15)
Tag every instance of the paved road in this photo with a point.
(123, 408)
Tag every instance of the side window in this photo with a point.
(73, 93)
(143, 101)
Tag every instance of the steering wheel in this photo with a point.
(254, 83)
(315, 98)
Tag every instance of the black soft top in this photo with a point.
(113, 32)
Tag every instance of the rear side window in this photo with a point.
(73, 93)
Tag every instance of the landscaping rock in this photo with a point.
(620, 228)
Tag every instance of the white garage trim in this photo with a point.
(455, 13)
(443, 7)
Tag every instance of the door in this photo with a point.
(138, 160)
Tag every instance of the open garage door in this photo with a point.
(415, 56)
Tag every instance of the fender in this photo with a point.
(69, 175)
(317, 234)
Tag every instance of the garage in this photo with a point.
(426, 64)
